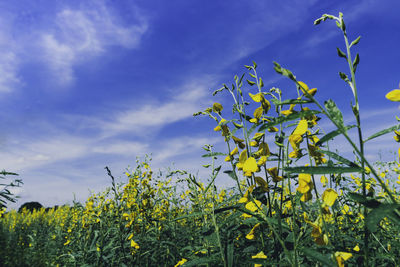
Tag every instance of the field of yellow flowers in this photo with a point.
(295, 203)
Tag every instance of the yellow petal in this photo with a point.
(237, 140)
(251, 206)
(272, 129)
(250, 166)
(301, 128)
(259, 255)
(262, 160)
(258, 112)
(257, 97)
(393, 95)
(242, 159)
(356, 248)
(303, 86)
(329, 197)
(234, 151)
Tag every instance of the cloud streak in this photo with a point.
(80, 34)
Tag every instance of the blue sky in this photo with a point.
(89, 84)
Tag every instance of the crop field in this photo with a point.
(295, 202)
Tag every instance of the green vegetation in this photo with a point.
(295, 203)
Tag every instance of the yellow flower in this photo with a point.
(341, 257)
(289, 111)
(181, 262)
(252, 206)
(257, 97)
(245, 197)
(272, 129)
(250, 235)
(263, 150)
(242, 159)
(393, 95)
(274, 174)
(262, 160)
(397, 136)
(250, 166)
(304, 87)
(301, 128)
(134, 244)
(329, 197)
(324, 180)
(233, 152)
(356, 248)
(259, 255)
(305, 183)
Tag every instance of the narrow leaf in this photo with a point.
(291, 117)
(335, 113)
(322, 170)
(385, 131)
(355, 41)
(341, 53)
(289, 102)
(355, 62)
(251, 82)
(332, 135)
(214, 154)
(339, 158)
(376, 215)
(321, 258)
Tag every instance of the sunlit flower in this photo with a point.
(393, 95)
(341, 257)
(181, 262)
(250, 166)
(250, 235)
(305, 183)
(329, 197)
(274, 174)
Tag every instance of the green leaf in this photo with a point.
(218, 90)
(339, 158)
(377, 214)
(321, 258)
(291, 117)
(251, 82)
(355, 41)
(332, 135)
(230, 249)
(355, 62)
(231, 174)
(284, 72)
(335, 113)
(203, 261)
(261, 83)
(385, 131)
(289, 102)
(341, 53)
(251, 130)
(322, 170)
(237, 125)
(344, 77)
(368, 202)
(214, 154)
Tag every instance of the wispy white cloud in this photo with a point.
(9, 62)
(140, 120)
(80, 34)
